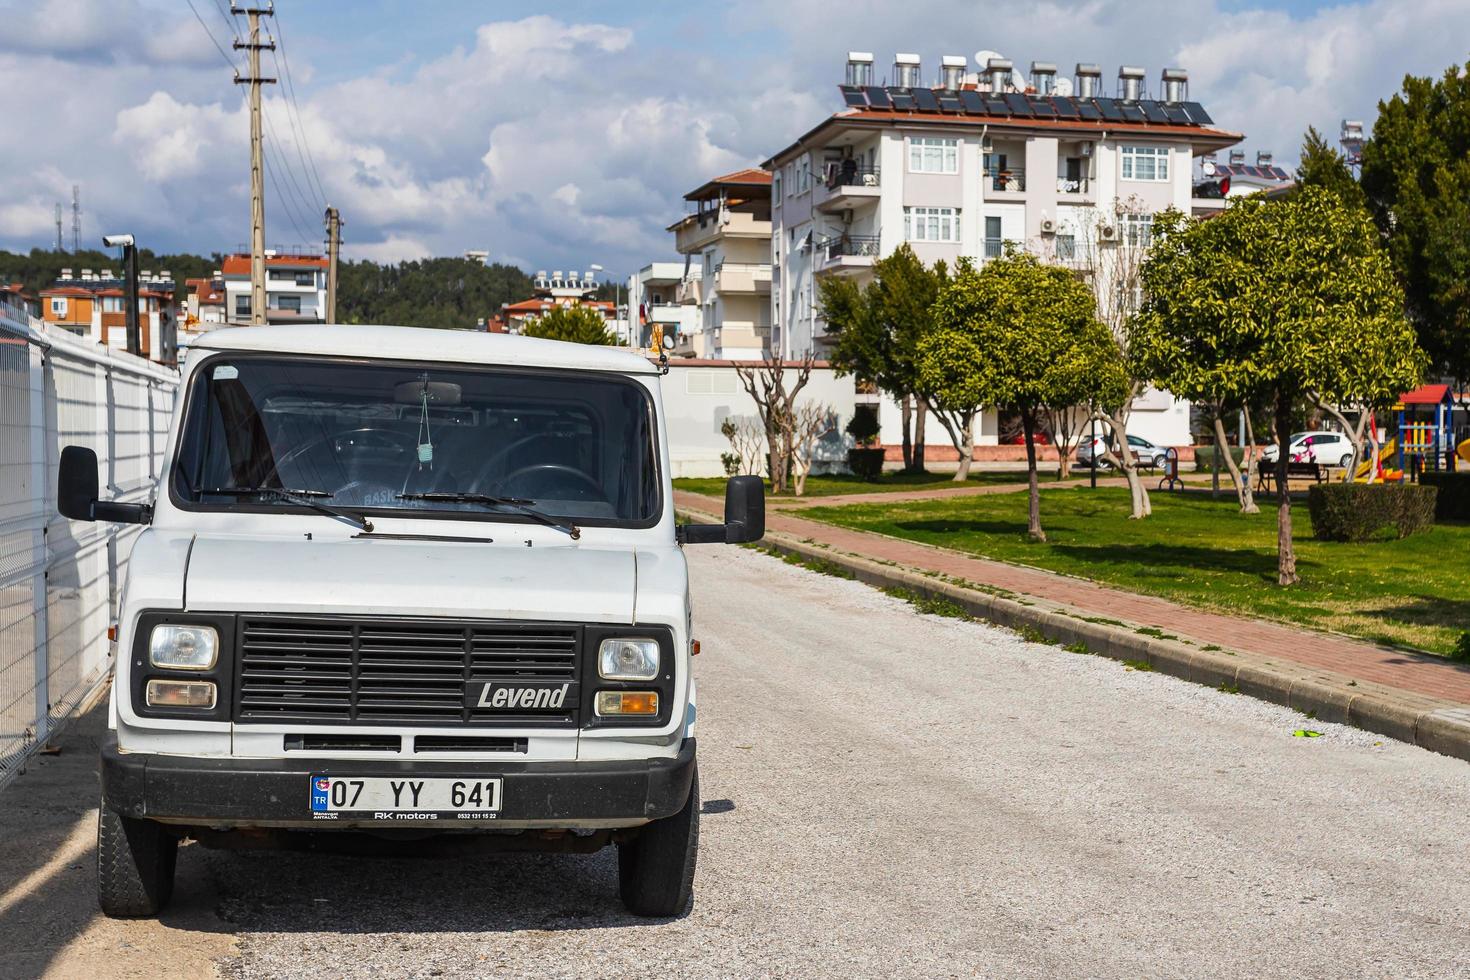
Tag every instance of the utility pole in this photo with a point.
(334, 245)
(59, 245)
(76, 217)
(257, 156)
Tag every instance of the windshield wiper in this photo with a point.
(518, 504)
(306, 498)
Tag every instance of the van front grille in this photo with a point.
(351, 670)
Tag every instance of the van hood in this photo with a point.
(381, 576)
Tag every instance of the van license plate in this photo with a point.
(395, 798)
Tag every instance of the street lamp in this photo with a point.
(129, 246)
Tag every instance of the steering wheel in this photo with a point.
(578, 475)
(390, 439)
(489, 465)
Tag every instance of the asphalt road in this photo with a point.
(885, 794)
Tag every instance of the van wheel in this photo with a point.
(135, 865)
(656, 868)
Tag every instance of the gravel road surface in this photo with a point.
(886, 793)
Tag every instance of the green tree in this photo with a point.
(1322, 166)
(1022, 336)
(576, 324)
(1273, 299)
(1416, 174)
(877, 328)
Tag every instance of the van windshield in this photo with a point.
(403, 437)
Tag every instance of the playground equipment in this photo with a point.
(1463, 450)
(1389, 450)
(1424, 417)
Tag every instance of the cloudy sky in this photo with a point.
(556, 136)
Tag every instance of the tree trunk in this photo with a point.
(908, 447)
(1243, 492)
(776, 452)
(967, 449)
(1285, 554)
(921, 412)
(1033, 492)
(1124, 457)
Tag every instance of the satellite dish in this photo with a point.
(983, 56)
(1208, 167)
(1062, 87)
(1019, 82)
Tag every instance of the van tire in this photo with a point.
(656, 868)
(135, 865)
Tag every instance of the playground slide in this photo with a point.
(1463, 450)
(1385, 453)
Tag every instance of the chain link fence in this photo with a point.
(59, 579)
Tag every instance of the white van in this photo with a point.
(405, 582)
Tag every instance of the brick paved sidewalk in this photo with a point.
(1356, 658)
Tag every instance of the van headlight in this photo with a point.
(628, 660)
(183, 647)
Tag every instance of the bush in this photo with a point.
(1204, 458)
(1360, 511)
(1461, 652)
(863, 427)
(866, 463)
(1454, 495)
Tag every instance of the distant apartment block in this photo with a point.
(727, 241)
(655, 301)
(205, 303)
(295, 287)
(550, 291)
(92, 305)
(966, 165)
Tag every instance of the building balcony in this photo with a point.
(849, 185)
(689, 292)
(698, 230)
(846, 253)
(1010, 182)
(1074, 188)
(743, 277)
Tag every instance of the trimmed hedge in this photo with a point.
(1361, 511)
(1454, 494)
(866, 463)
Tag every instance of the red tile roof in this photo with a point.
(239, 265)
(750, 175)
(205, 289)
(1427, 395)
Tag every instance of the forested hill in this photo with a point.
(449, 292)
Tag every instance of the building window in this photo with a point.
(993, 242)
(291, 304)
(1146, 163)
(934, 155)
(1066, 247)
(242, 305)
(112, 304)
(931, 224)
(1138, 229)
(776, 187)
(58, 306)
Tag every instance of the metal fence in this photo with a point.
(59, 579)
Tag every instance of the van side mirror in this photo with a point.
(76, 492)
(745, 516)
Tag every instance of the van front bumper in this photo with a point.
(241, 793)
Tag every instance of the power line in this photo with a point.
(297, 140)
(299, 197)
(291, 91)
(228, 60)
(285, 204)
(230, 24)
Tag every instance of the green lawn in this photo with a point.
(826, 486)
(1414, 592)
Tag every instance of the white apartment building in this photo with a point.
(654, 302)
(727, 242)
(295, 284)
(962, 167)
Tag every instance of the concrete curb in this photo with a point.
(1432, 723)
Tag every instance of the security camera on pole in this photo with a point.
(129, 246)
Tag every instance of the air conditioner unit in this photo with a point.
(1107, 233)
(1048, 226)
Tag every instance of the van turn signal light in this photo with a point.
(624, 703)
(180, 694)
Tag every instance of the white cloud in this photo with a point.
(559, 143)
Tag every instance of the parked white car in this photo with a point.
(1321, 447)
(406, 582)
(1144, 452)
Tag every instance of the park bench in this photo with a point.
(1266, 475)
